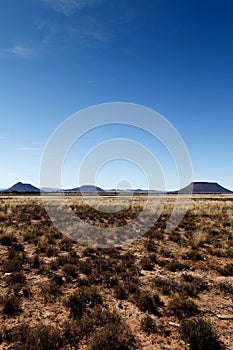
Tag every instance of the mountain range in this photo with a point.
(198, 188)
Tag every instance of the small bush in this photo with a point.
(36, 261)
(147, 302)
(115, 335)
(85, 297)
(166, 285)
(57, 278)
(69, 270)
(50, 290)
(6, 240)
(16, 279)
(27, 292)
(175, 265)
(150, 245)
(11, 306)
(148, 325)
(177, 238)
(40, 337)
(181, 307)
(200, 335)
(120, 292)
(227, 270)
(13, 265)
(193, 255)
(146, 263)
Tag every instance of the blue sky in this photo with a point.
(60, 56)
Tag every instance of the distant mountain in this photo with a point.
(20, 187)
(198, 188)
(138, 190)
(205, 187)
(50, 189)
(86, 188)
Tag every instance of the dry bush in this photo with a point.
(200, 335)
(148, 324)
(147, 302)
(11, 305)
(176, 237)
(147, 263)
(175, 265)
(13, 265)
(193, 255)
(227, 270)
(227, 288)
(120, 292)
(69, 270)
(115, 335)
(16, 278)
(166, 286)
(181, 307)
(81, 299)
(50, 290)
(150, 245)
(7, 240)
(39, 337)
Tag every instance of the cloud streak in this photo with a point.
(21, 51)
(18, 51)
(68, 7)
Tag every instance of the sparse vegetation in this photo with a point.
(200, 335)
(71, 296)
(115, 335)
(182, 307)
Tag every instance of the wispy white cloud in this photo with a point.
(21, 51)
(18, 51)
(68, 7)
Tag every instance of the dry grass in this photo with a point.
(68, 296)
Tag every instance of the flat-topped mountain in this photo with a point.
(86, 188)
(205, 187)
(21, 187)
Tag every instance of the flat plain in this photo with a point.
(159, 291)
